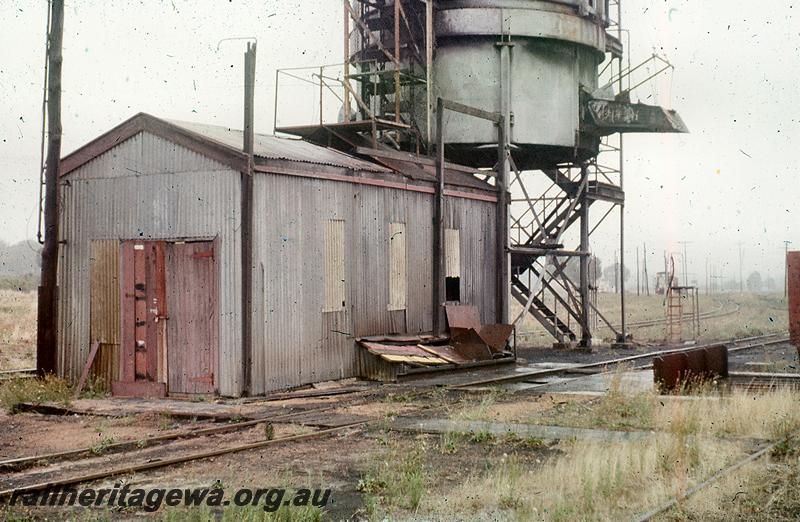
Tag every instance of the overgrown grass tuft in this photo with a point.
(19, 390)
(589, 481)
(397, 481)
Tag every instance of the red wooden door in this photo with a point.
(192, 328)
(143, 307)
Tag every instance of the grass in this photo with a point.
(451, 441)
(17, 329)
(692, 438)
(590, 481)
(396, 481)
(95, 388)
(102, 445)
(50, 389)
(20, 283)
(469, 409)
(761, 415)
(768, 489)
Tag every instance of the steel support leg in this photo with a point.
(585, 301)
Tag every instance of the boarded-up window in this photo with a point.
(452, 264)
(334, 266)
(104, 314)
(397, 266)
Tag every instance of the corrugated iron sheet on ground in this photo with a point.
(463, 319)
(403, 354)
(272, 147)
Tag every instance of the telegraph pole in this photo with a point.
(741, 278)
(47, 309)
(786, 267)
(638, 288)
(247, 215)
(685, 263)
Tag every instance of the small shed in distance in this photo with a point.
(151, 257)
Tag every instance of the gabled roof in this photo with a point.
(272, 147)
(220, 143)
(225, 145)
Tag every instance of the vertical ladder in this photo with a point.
(674, 315)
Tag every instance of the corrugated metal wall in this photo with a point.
(295, 341)
(149, 188)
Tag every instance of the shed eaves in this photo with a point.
(272, 147)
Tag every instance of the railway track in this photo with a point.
(78, 466)
(648, 323)
(34, 473)
(734, 345)
(712, 314)
(148, 463)
(25, 373)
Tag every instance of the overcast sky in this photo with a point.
(733, 179)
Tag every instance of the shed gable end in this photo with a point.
(143, 154)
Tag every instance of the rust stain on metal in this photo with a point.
(469, 344)
(496, 335)
(463, 318)
(793, 276)
(672, 370)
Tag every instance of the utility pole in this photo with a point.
(786, 268)
(741, 277)
(247, 215)
(48, 300)
(685, 263)
(616, 273)
(706, 275)
(646, 275)
(638, 288)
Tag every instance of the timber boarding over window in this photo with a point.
(397, 266)
(334, 266)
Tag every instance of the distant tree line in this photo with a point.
(19, 265)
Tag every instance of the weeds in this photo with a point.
(480, 410)
(101, 446)
(21, 390)
(401, 398)
(513, 439)
(166, 422)
(398, 481)
(449, 442)
(481, 437)
(95, 388)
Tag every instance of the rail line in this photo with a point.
(131, 448)
(149, 442)
(24, 373)
(668, 505)
(733, 346)
(646, 323)
(149, 464)
(143, 462)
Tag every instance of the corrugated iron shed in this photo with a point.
(151, 179)
(273, 147)
(224, 144)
